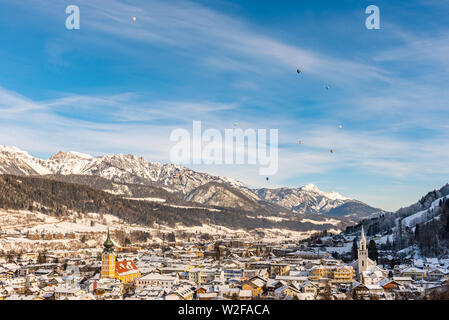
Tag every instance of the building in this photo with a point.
(373, 275)
(155, 280)
(414, 273)
(363, 262)
(108, 259)
(255, 285)
(317, 273)
(125, 271)
(279, 269)
(343, 274)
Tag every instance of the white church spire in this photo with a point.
(363, 261)
(362, 240)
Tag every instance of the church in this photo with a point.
(125, 271)
(363, 263)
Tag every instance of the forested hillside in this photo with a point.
(61, 198)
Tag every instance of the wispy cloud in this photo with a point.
(190, 62)
(225, 41)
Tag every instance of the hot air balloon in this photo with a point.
(300, 141)
(340, 126)
(298, 71)
(327, 87)
(332, 150)
(268, 179)
(134, 19)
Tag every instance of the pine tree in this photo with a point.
(217, 251)
(354, 251)
(42, 257)
(372, 251)
(171, 237)
(417, 232)
(388, 243)
(447, 226)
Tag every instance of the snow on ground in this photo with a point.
(327, 221)
(94, 226)
(82, 155)
(119, 189)
(275, 219)
(282, 233)
(347, 247)
(420, 216)
(213, 229)
(148, 199)
(67, 227)
(383, 240)
(187, 207)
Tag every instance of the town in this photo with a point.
(232, 267)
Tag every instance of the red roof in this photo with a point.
(125, 267)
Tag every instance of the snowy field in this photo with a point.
(420, 216)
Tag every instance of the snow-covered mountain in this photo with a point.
(426, 202)
(118, 168)
(188, 184)
(309, 199)
(219, 194)
(15, 161)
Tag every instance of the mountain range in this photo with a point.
(129, 176)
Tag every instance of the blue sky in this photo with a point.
(115, 86)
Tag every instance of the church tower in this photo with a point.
(108, 259)
(362, 254)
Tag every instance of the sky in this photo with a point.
(122, 86)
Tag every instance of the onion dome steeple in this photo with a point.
(108, 244)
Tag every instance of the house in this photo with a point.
(156, 279)
(414, 273)
(245, 294)
(309, 287)
(126, 271)
(6, 291)
(249, 273)
(208, 275)
(207, 296)
(432, 262)
(271, 285)
(6, 274)
(343, 274)
(305, 296)
(279, 269)
(317, 273)
(195, 275)
(436, 274)
(403, 281)
(201, 289)
(373, 275)
(232, 273)
(184, 293)
(255, 285)
(374, 289)
(439, 289)
(64, 292)
(389, 285)
(286, 290)
(292, 278)
(360, 290)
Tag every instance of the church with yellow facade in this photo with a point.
(125, 271)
